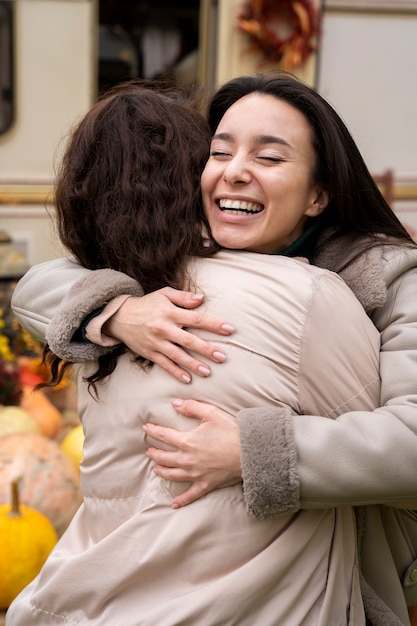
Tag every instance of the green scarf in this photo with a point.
(305, 245)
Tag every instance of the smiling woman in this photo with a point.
(282, 164)
(258, 185)
(116, 207)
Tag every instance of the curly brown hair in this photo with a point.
(127, 190)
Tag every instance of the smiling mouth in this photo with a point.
(237, 207)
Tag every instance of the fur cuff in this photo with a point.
(88, 294)
(377, 612)
(269, 462)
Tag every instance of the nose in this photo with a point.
(236, 171)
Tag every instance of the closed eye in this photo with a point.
(219, 154)
(270, 159)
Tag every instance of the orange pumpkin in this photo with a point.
(48, 417)
(50, 481)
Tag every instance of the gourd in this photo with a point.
(72, 444)
(50, 482)
(15, 419)
(48, 417)
(26, 539)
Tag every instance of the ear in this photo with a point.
(319, 203)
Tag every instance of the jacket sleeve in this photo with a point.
(362, 457)
(85, 296)
(53, 298)
(40, 291)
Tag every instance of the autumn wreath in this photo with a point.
(284, 30)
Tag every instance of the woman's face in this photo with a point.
(258, 188)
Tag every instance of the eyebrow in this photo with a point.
(261, 139)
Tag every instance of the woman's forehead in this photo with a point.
(266, 118)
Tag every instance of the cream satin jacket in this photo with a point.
(303, 342)
(385, 281)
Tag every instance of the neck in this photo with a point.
(305, 244)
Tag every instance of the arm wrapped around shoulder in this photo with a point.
(85, 296)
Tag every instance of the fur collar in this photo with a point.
(362, 271)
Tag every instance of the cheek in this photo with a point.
(206, 180)
(211, 175)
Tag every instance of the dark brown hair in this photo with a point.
(127, 190)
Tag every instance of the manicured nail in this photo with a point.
(177, 401)
(219, 356)
(186, 378)
(145, 428)
(228, 328)
(197, 296)
(203, 370)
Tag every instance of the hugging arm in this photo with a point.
(65, 293)
(377, 448)
(40, 291)
(363, 457)
(370, 457)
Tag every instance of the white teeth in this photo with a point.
(238, 206)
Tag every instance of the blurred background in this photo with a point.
(56, 56)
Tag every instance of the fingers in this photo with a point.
(184, 299)
(194, 319)
(168, 436)
(172, 368)
(208, 455)
(181, 346)
(199, 319)
(193, 493)
(199, 489)
(175, 352)
(200, 410)
(197, 345)
(155, 326)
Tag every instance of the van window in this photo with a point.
(6, 65)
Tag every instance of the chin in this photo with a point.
(231, 245)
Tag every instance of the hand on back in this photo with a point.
(155, 327)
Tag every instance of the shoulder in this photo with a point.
(399, 267)
(294, 275)
(272, 285)
(368, 269)
(396, 261)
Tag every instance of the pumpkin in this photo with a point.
(28, 375)
(48, 417)
(26, 539)
(15, 419)
(33, 371)
(72, 444)
(50, 482)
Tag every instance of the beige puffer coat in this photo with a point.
(380, 451)
(303, 341)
